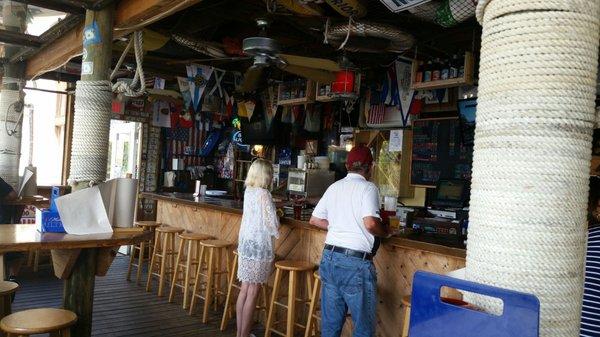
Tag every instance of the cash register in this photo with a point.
(446, 220)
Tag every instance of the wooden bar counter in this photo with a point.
(396, 261)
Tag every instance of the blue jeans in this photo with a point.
(349, 283)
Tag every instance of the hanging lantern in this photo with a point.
(347, 81)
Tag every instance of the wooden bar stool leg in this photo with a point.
(175, 270)
(188, 272)
(406, 322)
(171, 257)
(227, 312)
(217, 274)
(131, 259)
(314, 299)
(138, 274)
(209, 284)
(291, 313)
(276, 286)
(197, 280)
(152, 261)
(265, 303)
(163, 265)
(36, 261)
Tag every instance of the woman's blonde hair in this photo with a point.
(260, 174)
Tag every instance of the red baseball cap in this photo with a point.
(358, 157)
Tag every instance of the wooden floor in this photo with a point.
(120, 307)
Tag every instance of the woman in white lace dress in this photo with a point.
(259, 229)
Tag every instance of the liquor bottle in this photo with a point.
(435, 73)
(454, 65)
(461, 67)
(445, 73)
(419, 74)
(427, 72)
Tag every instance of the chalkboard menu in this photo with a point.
(439, 152)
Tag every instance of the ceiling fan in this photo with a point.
(265, 53)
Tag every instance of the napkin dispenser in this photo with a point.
(48, 220)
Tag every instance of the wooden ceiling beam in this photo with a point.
(20, 39)
(55, 5)
(129, 15)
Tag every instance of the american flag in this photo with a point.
(376, 113)
(193, 144)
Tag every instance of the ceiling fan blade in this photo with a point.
(310, 62)
(318, 75)
(251, 79)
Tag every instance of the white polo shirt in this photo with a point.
(344, 205)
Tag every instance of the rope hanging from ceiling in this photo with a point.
(535, 115)
(137, 41)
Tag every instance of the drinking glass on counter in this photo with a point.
(298, 202)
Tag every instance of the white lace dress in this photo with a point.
(259, 229)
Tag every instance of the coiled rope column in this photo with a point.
(91, 129)
(10, 142)
(535, 114)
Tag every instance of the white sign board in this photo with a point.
(402, 5)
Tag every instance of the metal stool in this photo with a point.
(57, 322)
(185, 263)
(294, 268)
(233, 284)
(164, 249)
(141, 248)
(7, 289)
(211, 253)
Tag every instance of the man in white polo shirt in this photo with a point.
(349, 211)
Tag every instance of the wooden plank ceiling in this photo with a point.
(213, 21)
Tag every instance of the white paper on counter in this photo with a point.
(83, 212)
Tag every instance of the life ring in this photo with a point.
(399, 41)
(349, 8)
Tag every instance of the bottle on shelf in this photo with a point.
(461, 67)
(435, 73)
(454, 65)
(419, 74)
(427, 72)
(445, 73)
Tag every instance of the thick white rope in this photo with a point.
(10, 144)
(91, 128)
(136, 40)
(535, 115)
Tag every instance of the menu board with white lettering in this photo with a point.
(439, 152)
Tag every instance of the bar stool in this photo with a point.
(164, 249)
(7, 289)
(57, 322)
(189, 242)
(294, 269)
(211, 254)
(233, 284)
(141, 247)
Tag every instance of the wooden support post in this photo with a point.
(100, 53)
(14, 20)
(79, 291)
(95, 66)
